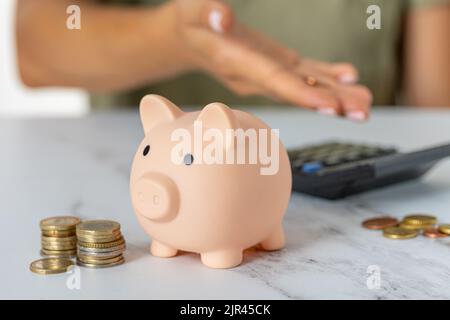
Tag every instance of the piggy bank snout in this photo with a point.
(156, 197)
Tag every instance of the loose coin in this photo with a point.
(419, 219)
(50, 265)
(61, 223)
(444, 228)
(399, 233)
(413, 226)
(379, 223)
(434, 232)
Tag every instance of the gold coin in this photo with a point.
(57, 255)
(98, 266)
(91, 260)
(60, 223)
(413, 226)
(62, 253)
(99, 255)
(399, 233)
(444, 228)
(50, 265)
(96, 239)
(59, 247)
(98, 228)
(58, 233)
(434, 232)
(419, 219)
(100, 259)
(119, 242)
(58, 239)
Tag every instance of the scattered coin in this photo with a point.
(434, 232)
(413, 226)
(444, 228)
(380, 223)
(419, 220)
(399, 233)
(50, 265)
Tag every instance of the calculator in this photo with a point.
(335, 170)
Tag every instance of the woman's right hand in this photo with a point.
(250, 63)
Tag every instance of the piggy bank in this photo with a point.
(213, 182)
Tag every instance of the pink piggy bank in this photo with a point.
(213, 182)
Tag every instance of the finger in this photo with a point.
(343, 72)
(289, 87)
(215, 15)
(356, 101)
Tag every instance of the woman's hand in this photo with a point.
(249, 63)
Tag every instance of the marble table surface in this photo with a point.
(81, 166)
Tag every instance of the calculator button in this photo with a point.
(312, 167)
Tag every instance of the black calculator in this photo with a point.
(335, 170)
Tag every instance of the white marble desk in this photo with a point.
(81, 166)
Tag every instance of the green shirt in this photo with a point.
(329, 30)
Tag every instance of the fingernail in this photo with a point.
(357, 115)
(348, 78)
(327, 111)
(215, 21)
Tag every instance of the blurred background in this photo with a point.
(16, 99)
(355, 54)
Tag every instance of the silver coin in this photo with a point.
(100, 250)
(101, 255)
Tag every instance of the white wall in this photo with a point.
(15, 99)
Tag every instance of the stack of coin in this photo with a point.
(100, 244)
(58, 236)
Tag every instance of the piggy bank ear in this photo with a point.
(155, 109)
(219, 116)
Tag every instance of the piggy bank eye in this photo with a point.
(146, 150)
(188, 159)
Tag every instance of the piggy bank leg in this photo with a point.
(222, 259)
(161, 250)
(275, 240)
